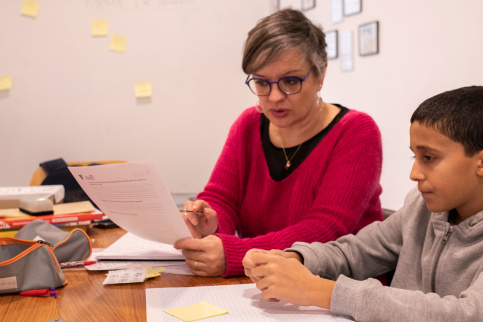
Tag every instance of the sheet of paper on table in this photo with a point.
(132, 247)
(243, 302)
(131, 251)
(171, 267)
(134, 196)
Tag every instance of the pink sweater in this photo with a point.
(334, 192)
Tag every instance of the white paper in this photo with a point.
(124, 276)
(337, 11)
(346, 63)
(171, 267)
(243, 302)
(133, 247)
(134, 196)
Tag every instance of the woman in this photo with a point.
(302, 170)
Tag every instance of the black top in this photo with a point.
(276, 159)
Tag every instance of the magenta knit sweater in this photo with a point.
(334, 192)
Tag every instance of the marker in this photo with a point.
(43, 292)
(76, 264)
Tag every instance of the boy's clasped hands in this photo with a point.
(281, 276)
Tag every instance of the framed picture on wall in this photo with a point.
(292, 4)
(331, 37)
(352, 7)
(369, 38)
(308, 4)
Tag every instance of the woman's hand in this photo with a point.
(205, 257)
(202, 221)
(282, 278)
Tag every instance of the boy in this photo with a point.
(434, 243)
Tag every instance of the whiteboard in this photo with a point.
(72, 97)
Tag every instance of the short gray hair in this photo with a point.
(279, 33)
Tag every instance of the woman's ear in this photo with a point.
(322, 77)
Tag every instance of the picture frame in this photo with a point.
(291, 4)
(352, 7)
(308, 4)
(369, 38)
(331, 39)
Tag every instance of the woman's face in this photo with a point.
(284, 110)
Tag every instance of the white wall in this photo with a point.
(73, 98)
(426, 47)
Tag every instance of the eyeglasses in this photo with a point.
(289, 85)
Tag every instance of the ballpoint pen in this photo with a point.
(196, 212)
(52, 292)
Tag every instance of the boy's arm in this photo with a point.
(370, 301)
(372, 252)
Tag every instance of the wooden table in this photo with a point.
(85, 298)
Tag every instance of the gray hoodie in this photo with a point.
(438, 267)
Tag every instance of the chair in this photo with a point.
(40, 174)
(56, 172)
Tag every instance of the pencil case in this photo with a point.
(67, 246)
(28, 265)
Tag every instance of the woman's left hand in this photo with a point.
(205, 257)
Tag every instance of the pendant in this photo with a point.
(287, 165)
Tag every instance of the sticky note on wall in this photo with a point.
(143, 89)
(5, 83)
(99, 27)
(118, 43)
(30, 8)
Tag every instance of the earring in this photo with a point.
(320, 103)
(258, 107)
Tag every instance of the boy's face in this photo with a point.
(446, 177)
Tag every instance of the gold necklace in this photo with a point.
(288, 164)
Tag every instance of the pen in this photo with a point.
(76, 264)
(43, 292)
(196, 212)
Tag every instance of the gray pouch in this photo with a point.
(27, 265)
(68, 246)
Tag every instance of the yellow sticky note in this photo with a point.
(143, 89)
(30, 8)
(118, 43)
(99, 27)
(153, 272)
(5, 83)
(197, 311)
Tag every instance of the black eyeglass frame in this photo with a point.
(277, 82)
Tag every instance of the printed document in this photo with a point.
(134, 196)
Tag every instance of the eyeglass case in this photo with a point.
(68, 246)
(28, 265)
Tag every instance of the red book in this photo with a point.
(13, 223)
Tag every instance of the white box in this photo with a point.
(11, 195)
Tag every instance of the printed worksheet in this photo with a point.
(134, 196)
